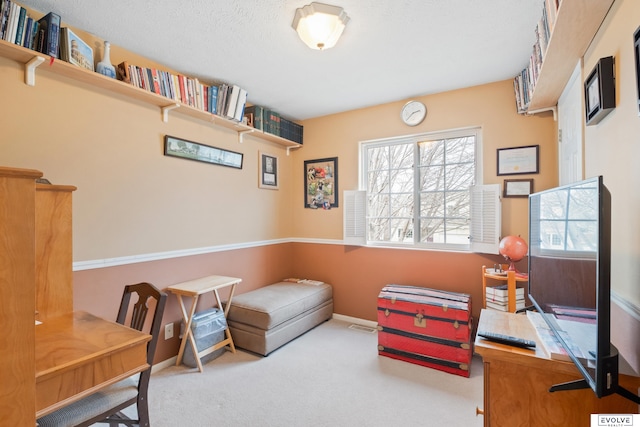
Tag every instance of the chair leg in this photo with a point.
(143, 411)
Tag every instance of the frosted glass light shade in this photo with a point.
(320, 25)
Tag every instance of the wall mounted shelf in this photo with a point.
(34, 61)
(577, 22)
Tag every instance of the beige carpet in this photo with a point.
(331, 376)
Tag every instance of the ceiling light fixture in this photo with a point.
(320, 25)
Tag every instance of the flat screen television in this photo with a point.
(569, 277)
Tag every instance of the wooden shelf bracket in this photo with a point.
(542, 110)
(290, 147)
(165, 111)
(241, 135)
(30, 70)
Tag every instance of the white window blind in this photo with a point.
(486, 216)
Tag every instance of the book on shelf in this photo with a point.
(50, 33)
(213, 99)
(12, 19)
(230, 109)
(74, 50)
(240, 105)
(22, 14)
(257, 112)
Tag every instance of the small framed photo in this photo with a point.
(517, 187)
(518, 160)
(321, 183)
(74, 50)
(268, 171)
(600, 91)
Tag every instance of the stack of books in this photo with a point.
(497, 297)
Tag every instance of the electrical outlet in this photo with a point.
(168, 331)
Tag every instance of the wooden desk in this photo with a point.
(193, 289)
(517, 381)
(78, 354)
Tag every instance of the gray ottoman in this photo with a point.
(267, 318)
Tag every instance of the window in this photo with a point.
(418, 188)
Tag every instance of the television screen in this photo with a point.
(569, 275)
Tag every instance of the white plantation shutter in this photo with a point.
(485, 218)
(354, 220)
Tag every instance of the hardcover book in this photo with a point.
(75, 51)
(50, 27)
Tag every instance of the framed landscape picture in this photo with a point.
(321, 183)
(177, 147)
(74, 50)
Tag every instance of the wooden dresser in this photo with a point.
(517, 381)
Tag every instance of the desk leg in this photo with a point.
(225, 310)
(188, 335)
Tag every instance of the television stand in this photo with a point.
(571, 385)
(517, 381)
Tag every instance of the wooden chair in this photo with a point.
(106, 405)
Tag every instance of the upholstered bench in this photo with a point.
(265, 319)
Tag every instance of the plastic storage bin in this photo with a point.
(208, 329)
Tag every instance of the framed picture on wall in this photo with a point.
(321, 183)
(268, 170)
(178, 147)
(517, 187)
(518, 160)
(600, 91)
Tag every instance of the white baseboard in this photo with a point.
(164, 364)
(356, 320)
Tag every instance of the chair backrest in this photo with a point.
(145, 292)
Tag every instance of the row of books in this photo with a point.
(272, 122)
(524, 83)
(497, 297)
(18, 27)
(225, 100)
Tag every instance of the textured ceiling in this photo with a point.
(391, 49)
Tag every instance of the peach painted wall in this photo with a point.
(99, 290)
(491, 106)
(359, 273)
(612, 150)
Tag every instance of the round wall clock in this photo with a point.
(413, 113)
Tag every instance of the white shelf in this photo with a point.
(35, 61)
(577, 22)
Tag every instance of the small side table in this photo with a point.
(193, 289)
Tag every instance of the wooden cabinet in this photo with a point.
(17, 293)
(517, 381)
(576, 24)
(32, 61)
(35, 280)
(509, 277)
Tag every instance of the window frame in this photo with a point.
(415, 139)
